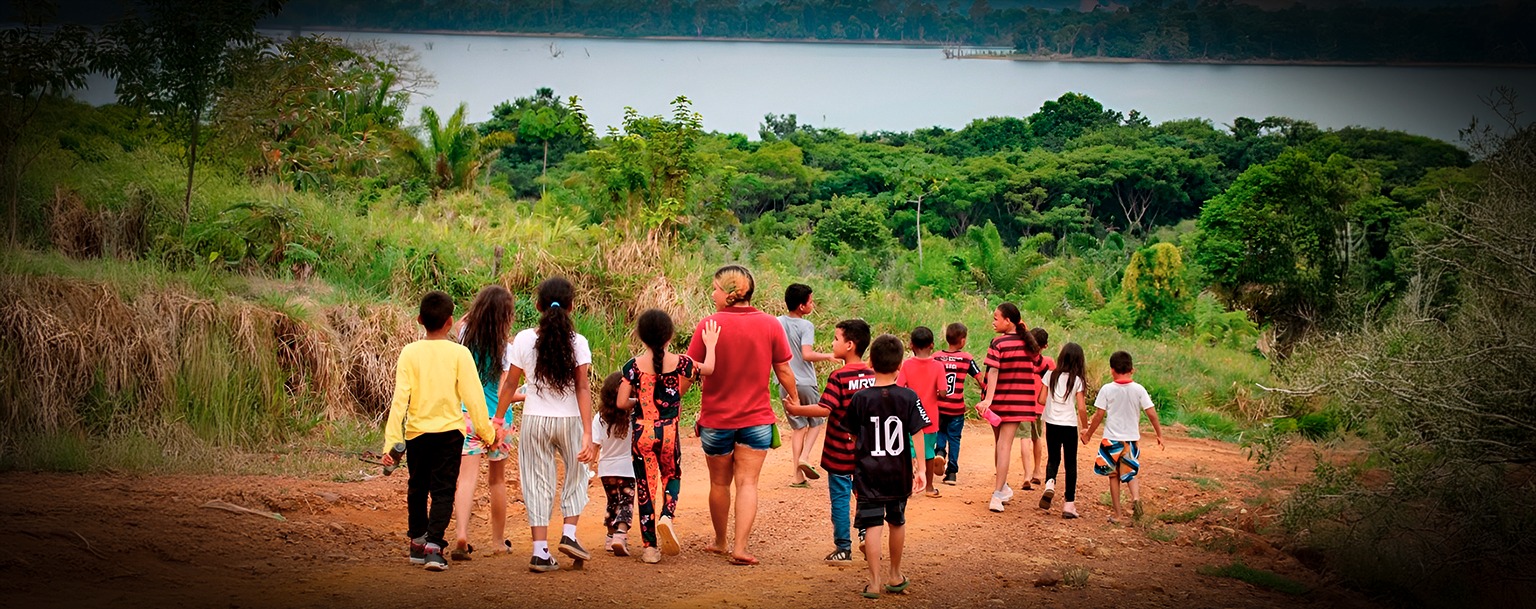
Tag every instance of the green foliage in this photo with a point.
(1192, 514)
(851, 223)
(1154, 289)
(1257, 577)
(655, 170)
(449, 158)
(1067, 117)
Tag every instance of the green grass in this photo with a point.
(1162, 534)
(1258, 577)
(1191, 514)
(1201, 482)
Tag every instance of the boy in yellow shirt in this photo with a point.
(432, 377)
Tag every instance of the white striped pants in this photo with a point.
(541, 441)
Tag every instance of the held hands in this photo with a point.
(711, 334)
(1083, 436)
(588, 454)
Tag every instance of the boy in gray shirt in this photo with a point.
(805, 431)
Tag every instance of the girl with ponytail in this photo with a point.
(557, 419)
(1014, 365)
(653, 388)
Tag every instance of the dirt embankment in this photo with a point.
(102, 540)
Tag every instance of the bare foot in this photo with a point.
(716, 548)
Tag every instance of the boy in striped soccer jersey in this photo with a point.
(849, 340)
(958, 364)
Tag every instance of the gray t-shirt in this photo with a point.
(799, 331)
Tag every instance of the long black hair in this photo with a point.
(1010, 312)
(486, 327)
(554, 349)
(655, 330)
(1070, 365)
(615, 420)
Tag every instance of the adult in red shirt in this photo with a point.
(736, 416)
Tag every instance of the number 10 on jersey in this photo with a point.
(889, 438)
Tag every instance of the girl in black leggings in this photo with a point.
(1065, 410)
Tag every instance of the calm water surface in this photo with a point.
(880, 87)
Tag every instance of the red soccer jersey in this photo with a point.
(925, 377)
(736, 395)
(1018, 378)
(837, 452)
(957, 366)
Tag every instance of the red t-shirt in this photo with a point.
(925, 377)
(1018, 378)
(837, 452)
(957, 366)
(736, 395)
(1050, 363)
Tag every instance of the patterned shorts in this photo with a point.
(474, 446)
(1116, 456)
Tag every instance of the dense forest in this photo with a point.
(226, 257)
(1212, 30)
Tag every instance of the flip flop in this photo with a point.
(864, 590)
(1068, 515)
(459, 554)
(810, 471)
(743, 562)
(801, 484)
(900, 588)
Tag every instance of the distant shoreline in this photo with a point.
(1008, 56)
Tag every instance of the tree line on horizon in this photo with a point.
(1207, 30)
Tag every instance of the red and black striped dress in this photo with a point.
(1018, 378)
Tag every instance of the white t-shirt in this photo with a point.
(1060, 410)
(541, 401)
(1122, 404)
(613, 456)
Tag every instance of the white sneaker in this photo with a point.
(1050, 484)
(1007, 494)
(996, 504)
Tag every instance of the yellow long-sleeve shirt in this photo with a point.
(432, 378)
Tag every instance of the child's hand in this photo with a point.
(983, 406)
(1160, 442)
(711, 333)
(387, 460)
(918, 484)
(1083, 436)
(588, 454)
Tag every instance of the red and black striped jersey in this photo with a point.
(957, 366)
(837, 452)
(1018, 378)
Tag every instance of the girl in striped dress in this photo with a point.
(1013, 377)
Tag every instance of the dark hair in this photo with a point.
(857, 331)
(795, 295)
(922, 338)
(655, 330)
(1010, 312)
(1120, 362)
(953, 333)
(554, 349)
(734, 273)
(1042, 338)
(436, 308)
(615, 420)
(486, 327)
(1070, 365)
(885, 354)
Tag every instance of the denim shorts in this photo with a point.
(721, 442)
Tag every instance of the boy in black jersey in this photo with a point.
(887, 470)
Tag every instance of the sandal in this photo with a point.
(506, 548)
(800, 484)
(899, 588)
(1068, 515)
(463, 553)
(933, 492)
(867, 594)
(809, 471)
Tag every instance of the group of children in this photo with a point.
(458, 397)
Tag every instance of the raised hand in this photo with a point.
(711, 334)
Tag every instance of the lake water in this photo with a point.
(883, 87)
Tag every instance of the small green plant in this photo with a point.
(1161, 533)
(1201, 482)
(1075, 576)
(1258, 577)
(1191, 514)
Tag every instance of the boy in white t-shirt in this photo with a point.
(1119, 406)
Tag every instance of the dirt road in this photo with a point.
(100, 540)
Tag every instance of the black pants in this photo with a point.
(433, 462)
(1061, 443)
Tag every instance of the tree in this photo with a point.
(35, 65)
(1143, 182)
(172, 58)
(450, 156)
(1154, 288)
(537, 130)
(1068, 117)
